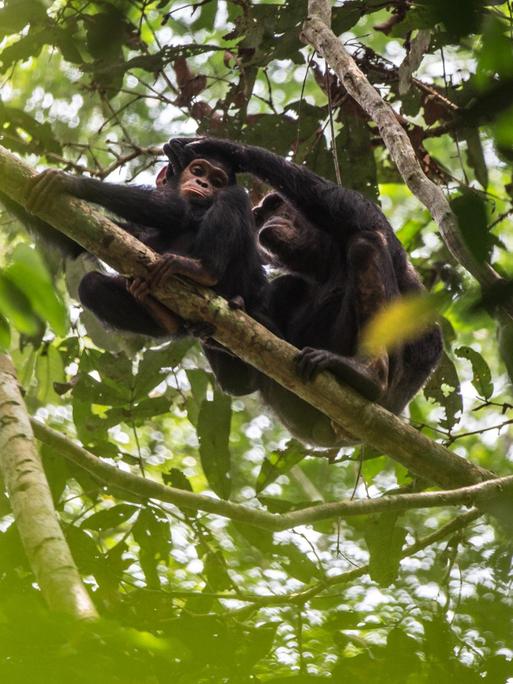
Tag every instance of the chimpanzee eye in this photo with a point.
(197, 170)
(218, 182)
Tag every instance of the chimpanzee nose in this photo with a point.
(201, 182)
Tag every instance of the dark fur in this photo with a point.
(343, 262)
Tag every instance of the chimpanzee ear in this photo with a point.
(267, 207)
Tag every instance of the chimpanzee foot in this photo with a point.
(139, 289)
(176, 264)
(164, 268)
(43, 186)
(366, 377)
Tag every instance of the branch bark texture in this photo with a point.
(31, 501)
(317, 32)
(249, 340)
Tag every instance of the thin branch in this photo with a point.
(150, 489)
(300, 597)
(32, 505)
(418, 46)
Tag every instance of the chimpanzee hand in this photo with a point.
(231, 152)
(363, 378)
(46, 184)
(178, 154)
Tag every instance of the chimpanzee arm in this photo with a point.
(225, 231)
(319, 199)
(224, 234)
(160, 207)
(41, 230)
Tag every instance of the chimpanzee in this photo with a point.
(201, 223)
(343, 263)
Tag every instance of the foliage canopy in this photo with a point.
(97, 87)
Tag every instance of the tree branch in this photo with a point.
(317, 32)
(302, 597)
(248, 339)
(149, 489)
(31, 501)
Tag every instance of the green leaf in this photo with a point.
(152, 532)
(15, 15)
(460, 17)
(110, 518)
(279, 462)
(198, 380)
(356, 153)
(49, 370)
(482, 379)
(29, 273)
(473, 224)
(373, 466)
(402, 320)
(90, 390)
(298, 563)
(5, 334)
(18, 124)
(214, 421)
(16, 308)
(175, 478)
(505, 336)
(444, 387)
(216, 571)
(155, 366)
(148, 409)
(475, 156)
(385, 541)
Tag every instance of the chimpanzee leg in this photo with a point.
(370, 283)
(233, 375)
(109, 299)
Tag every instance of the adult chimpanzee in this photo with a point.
(201, 223)
(344, 264)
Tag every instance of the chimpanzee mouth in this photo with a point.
(192, 190)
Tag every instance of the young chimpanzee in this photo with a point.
(343, 263)
(201, 223)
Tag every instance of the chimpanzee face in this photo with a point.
(202, 180)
